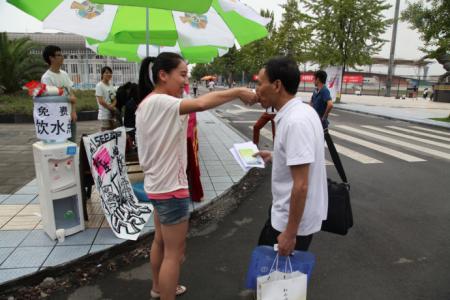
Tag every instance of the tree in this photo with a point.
(346, 32)
(200, 70)
(17, 64)
(432, 21)
(249, 59)
(254, 55)
(293, 36)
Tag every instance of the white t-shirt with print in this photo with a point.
(60, 80)
(299, 140)
(108, 92)
(161, 134)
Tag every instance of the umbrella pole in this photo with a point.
(147, 33)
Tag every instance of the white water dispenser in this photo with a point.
(58, 179)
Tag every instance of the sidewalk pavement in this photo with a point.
(410, 109)
(25, 248)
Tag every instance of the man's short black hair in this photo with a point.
(50, 50)
(286, 70)
(321, 75)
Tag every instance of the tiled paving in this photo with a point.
(25, 248)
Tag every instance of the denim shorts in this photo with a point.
(172, 211)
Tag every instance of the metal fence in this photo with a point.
(375, 84)
(84, 68)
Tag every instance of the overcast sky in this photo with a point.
(408, 42)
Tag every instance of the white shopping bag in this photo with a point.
(274, 276)
(279, 285)
(293, 288)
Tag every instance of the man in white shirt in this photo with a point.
(54, 76)
(299, 181)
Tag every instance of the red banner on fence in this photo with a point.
(358, 79)
(307, 78)
(353, 79)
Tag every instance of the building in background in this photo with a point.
(82, 64)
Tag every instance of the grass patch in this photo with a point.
(20, 102)
(442, 119)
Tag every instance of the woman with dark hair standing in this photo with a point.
(161, 128)
(106, 100)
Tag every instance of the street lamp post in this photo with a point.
(391, 56)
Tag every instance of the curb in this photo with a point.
(214, 211)
(415, 121)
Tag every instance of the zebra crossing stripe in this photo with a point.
(328, 163)
(407, 136)
(266, 133)
(362, 158)
(397, 142)
(376, 147)
(420, 133)
(244, 122)
(333, 115)
(430, 130)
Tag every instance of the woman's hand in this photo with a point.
(247, 96)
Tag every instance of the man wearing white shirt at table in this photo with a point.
(299, 181)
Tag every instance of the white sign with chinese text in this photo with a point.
(334, 80)
(52, 121)
(106, 154)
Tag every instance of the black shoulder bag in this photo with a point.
(340, 218)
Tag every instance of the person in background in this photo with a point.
(299, 180)
(161, 126)
(193, 162)
(211, 85)
(195, 87)
(106, 100)
(54, 76)
(268, 115)
(321, 99)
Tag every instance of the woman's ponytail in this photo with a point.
(145, 83)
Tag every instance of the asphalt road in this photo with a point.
(398, 249)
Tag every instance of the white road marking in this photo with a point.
(244, 122)
(430, 130)
(362, 158)
(266, 133)
(420, 133)
(328, 163)
(407, 136)
(376, 147)
(333, 114)
(397, 142)
(244, 108)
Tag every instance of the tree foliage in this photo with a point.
(17, 64)
(432, 21)
(346, 32)
(293, 37)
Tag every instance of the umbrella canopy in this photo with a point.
(208, 77)
(134, 52)
(225, 22)
(193, 6)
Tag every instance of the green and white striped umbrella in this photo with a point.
(193, 6)
(226, 22)
(134, 52)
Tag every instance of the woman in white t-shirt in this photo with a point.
(161, 129)
(106, 100)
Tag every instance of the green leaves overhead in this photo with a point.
(346, 32)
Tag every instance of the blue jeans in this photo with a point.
(172, 211)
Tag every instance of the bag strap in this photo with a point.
(335, 156)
